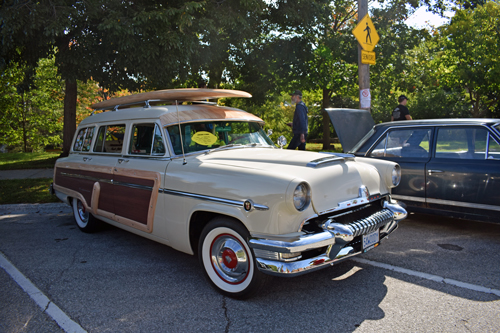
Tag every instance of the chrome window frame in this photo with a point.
(151, 155)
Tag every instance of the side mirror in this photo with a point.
(282, 141)
(269, 132)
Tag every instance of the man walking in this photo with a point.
(401, 112)
(300, 122)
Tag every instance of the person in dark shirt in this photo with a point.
(401, 112)
(300, 122)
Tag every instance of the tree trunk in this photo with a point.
(326, 119)
(69, 127)
(25, 136)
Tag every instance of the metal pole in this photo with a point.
(363, 69)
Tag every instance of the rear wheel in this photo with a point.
(84, 220)
(227, 260)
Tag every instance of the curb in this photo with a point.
(50, 208)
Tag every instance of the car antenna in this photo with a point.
(180, 133)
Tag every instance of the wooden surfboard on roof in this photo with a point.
(179, 95)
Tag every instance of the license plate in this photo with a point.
(370, 240)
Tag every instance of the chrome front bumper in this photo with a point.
(273, 254)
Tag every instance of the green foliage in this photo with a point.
(472, 57)
(31, 120)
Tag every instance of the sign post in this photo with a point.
(367, 38)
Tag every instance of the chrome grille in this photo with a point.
(370, 223)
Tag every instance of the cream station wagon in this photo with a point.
(205, 179)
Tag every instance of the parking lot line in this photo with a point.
(431, 277)
(47, 306)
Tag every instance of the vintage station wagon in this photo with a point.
(206, 180)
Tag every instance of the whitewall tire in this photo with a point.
(227, 260)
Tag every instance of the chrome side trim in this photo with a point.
(463, 204)
(236, 203)
(406, 197)
(141, 187)
(107, 181)
(94, 179)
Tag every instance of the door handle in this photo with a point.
(85, 159)
(435, 171)
(121, 160)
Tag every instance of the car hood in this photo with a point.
(331, 182)
(351, 125)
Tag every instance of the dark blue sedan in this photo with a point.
(449, 166)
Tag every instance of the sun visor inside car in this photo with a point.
(351, 125)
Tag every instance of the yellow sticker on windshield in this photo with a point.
(204, 138)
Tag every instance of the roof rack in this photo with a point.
(194, 95)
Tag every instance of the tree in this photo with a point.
(472, 57)
(31, 119)
(119, 44)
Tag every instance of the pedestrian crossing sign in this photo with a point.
(366, 34)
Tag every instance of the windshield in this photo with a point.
(213, 134)
(497, 127)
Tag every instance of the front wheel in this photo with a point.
(84, 220)
(228, 262)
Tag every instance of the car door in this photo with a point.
(137, 175)
(409, 147)
(464, 172)
(88, 172)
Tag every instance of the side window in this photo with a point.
(158, 145)
(110, 139)
(493, 149)
(404, 143)
(461, 143)
(84, 139)
(146, 140)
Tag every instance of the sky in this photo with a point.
(423, 19)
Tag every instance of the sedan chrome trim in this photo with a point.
(407, 197)
(462, 204)
(236, 203)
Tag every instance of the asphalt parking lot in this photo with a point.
(432, 274)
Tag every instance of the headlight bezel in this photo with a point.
(301, 197)
(396, 175)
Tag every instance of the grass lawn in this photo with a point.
(16, 161)
(13, 191)
(319, 147)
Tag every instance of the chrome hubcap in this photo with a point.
(82, 213)
(229, 259)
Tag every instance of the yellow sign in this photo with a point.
(204, 138)
(366, 34)
(367, 57)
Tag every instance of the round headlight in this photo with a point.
(301, 196)
(396, 175)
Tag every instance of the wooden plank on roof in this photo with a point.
(180, 95)
(209, 112)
